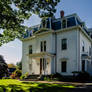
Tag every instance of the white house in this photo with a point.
(60, 45)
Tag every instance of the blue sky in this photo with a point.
(12, 51)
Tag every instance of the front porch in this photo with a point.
(41, 63)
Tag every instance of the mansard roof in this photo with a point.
(53, 24)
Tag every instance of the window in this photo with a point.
(89, 51)
(83, 49)
(71, 21)
(63, 66)
(56, 25)
(30, 49)
(43, 46)
(64, 23)
(64, 44)
(83, 65)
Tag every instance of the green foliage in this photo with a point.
(83, 76)
(17, 73)
(3, 67)
(24, 76)
(17, 85)
(57, 76)
(13, 75)
(14, 12)
(47, 79)
(19, 65)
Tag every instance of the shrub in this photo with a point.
(13, 75)
(83, 76)
(24, 76)
(16, 74)
(46, 78)
(58, 76)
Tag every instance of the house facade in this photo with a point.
(60, 45)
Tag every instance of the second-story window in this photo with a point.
(64, 44)
(83, 49)
(43, 46)
(90, 51)
(30, 49)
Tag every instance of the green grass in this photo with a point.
(17, 85)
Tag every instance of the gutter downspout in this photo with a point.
(55, 52)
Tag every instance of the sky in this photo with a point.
(12, 51)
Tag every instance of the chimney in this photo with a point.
(62, 14)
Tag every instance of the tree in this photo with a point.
(3, 67)
(14, 12)
(19, 65)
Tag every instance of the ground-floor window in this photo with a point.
(83, 65)
(63, 66)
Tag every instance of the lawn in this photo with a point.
(12, 85)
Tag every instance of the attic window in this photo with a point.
(71, 21)
(64, 23)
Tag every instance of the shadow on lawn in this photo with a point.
(11, 88)
(40, 87)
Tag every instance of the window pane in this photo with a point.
(41, 46)
(56, 25)
(71, 22)
(64, 24)
(63, 66)
(64, 44)
(44, 45)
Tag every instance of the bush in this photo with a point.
(83, 76)
(18, 73)
(13, 76)
(46, 78)
(58, 76)
(24, 76)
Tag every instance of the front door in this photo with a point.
(40, 65)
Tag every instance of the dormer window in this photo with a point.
(71, 22)
(64, 23)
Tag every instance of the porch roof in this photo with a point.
(41, 54)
